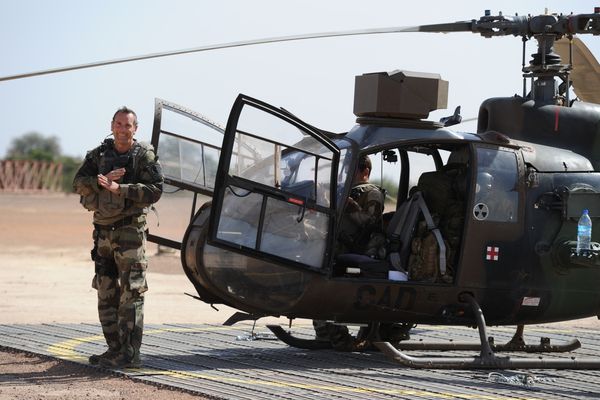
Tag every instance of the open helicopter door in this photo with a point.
(188, 146)
(276, 188)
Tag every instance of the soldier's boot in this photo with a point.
(111, 335)
(94, 359)
(321, 330)
(121, 360)
(341, 339)
(338, 335)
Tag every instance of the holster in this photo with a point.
(106, 267)
(103, 266)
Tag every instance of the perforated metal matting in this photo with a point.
(221, 362)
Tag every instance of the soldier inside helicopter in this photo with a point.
(430, 219)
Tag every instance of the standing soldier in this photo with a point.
(119, 180)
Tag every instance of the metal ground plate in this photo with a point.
(224, 363)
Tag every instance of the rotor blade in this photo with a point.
(217, 47)
(466, 26)
(586, 70)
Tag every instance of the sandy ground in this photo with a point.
(45, 276)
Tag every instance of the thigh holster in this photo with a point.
(106, 267)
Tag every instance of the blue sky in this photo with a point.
(313, 79)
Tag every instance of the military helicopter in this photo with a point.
(265, 243)
(480, 227)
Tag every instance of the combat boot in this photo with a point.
(95, 358)
(120, 360)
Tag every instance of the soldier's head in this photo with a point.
(364, 169)
(126, 110)
(123, 126)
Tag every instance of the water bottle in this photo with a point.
(584, 232)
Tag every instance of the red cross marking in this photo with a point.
(492, 253)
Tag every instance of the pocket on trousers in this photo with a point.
(137, 277)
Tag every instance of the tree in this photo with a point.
(70, 167)
(34, 146)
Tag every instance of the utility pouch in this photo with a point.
(110, 204)
(106, 267)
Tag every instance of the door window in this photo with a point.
(188, 146)
(275, 188)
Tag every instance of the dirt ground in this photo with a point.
(45, 276)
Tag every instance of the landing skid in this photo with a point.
(517, 343)
(290, 340)
(487, 359)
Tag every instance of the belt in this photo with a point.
(118, 224)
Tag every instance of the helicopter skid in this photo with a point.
(544, 346)
(290, 340)
(487, 359)
(484, 362)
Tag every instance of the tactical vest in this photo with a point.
(105, 202)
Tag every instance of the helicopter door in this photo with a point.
(188, 146)
(276, 185)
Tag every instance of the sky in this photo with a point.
(313, 79)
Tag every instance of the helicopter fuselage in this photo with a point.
(514, 259)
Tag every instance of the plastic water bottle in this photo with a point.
(584, 232)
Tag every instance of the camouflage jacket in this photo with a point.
(361, 219)
(140, 187)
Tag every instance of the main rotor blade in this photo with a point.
(215, 47)
(586, 69)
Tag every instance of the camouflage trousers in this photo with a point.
(120, 280)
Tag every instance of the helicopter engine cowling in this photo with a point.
(575, 128)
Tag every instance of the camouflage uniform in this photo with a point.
(120, 239)
(361, 224)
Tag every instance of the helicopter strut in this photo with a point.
(487, 359)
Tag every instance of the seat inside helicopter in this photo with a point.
(423, 230)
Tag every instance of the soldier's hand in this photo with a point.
(108, 184)
(116, 174)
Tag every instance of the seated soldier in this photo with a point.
(361, 229)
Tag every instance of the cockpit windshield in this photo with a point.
(496, 195)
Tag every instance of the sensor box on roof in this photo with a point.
(399, 94)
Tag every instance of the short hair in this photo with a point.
(364, 162)
(126, 110)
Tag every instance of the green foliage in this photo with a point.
(70, 167)
(34, 146)
(391, 188)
